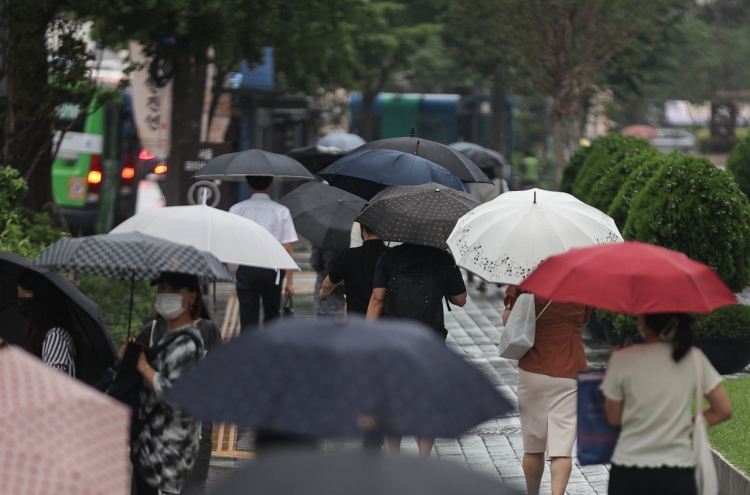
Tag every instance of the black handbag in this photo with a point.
(288, 307)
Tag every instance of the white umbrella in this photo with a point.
(503, 240)
(231, 238)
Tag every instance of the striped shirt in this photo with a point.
(58, 351)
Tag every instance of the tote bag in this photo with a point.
(520, 330)
(705, 469)
(596, 437)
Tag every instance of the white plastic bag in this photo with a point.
(520, 330)
(705, 469)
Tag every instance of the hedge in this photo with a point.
(738, 164)
(632, 185)
(604, 190)
(690, 205)
(729, 322)
(573, 167)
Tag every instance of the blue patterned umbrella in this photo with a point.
(341, 379)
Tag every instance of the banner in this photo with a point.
(152, 106)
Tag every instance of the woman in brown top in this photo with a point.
(547, 389)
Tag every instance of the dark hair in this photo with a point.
(49, 309)
(258, 182)
(199, 307)
(367, 229)
(673, 327)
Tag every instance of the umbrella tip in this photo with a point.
(534, 197)
(412, 132)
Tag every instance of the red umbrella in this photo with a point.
(640, 131)
(632, 278)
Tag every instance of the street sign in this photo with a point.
(196, 156)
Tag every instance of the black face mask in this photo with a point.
(24, 305)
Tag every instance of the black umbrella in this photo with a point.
(237, 166)
(340, 379)
(362, 473)
(323, 214)
(367, 172)
(315, 158)
(456, 162)
(486, 158)
(424, 215)
(95, 349)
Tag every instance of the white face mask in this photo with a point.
(169, 305)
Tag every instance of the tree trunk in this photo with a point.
(498, 140)
(559, 137)
(187, 110)
(367, 124)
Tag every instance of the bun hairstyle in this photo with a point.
(676, 328)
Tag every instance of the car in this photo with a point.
(673, 140)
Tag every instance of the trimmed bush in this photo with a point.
(637, 180)
(691, 206)
(573, 167)
(727, 322)
(623, 325)
(605, 189)
(738, 164)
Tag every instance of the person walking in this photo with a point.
(547, 389)
(411, 282)
(355, 268)
(165, 450)
(335, 304)
(211, 336)
(649, 390)
(254, 284)
(47, 331)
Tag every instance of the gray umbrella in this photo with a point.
(236, 166)
(363, 473)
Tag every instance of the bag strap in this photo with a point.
(151, 338)
(699, 389)
(153, 352)
(543, 310)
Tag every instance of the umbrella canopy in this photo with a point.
(454, 161)
(323, 214)
(344, 140)
(340, 379)
(424, 215)
(363, 473)
(315, 158)
(95, 349)
(131, 256)
(367, 172)
(486, 158)
(630, 277)
(462, 146)
(231, 238)
(237, 166)
(59, 436)
(640, 131)
(503, 240)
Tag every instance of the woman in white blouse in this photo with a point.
(649, 390)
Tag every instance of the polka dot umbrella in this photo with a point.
(424, 214)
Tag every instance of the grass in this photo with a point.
(732, 438)
(740, 132)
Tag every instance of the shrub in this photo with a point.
(738, 164)
(622, 324)
(573, 167)
(691, 206)
(605, 153)
(729, 322)
(605, 189)
(632, 185)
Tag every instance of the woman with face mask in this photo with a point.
(164, 452)
(47, 331)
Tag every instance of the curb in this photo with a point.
(229, 462)
(731, 480)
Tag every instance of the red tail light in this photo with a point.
(160, 169)
(94, 177)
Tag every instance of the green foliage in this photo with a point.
(622, 324)
(113, 298)
(24, 232)
(573, 168)
(728, 322)
(632, 185)
(604, 190)
(690, 205)
(738, 164)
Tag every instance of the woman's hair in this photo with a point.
(676, 328)
(199, 307)
(49, 309)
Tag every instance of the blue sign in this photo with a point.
(259, 76)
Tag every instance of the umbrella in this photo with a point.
(95, 349)
(365, 173)
(340, 379)
(323, 214)
(58, 435)
(455, 162)
(640, 131)
(363, 473)
(630, 277)
(503, 240)
(462, 146)
(231, 238)
(485, 158)
(422, 215)
(237, 166)
(315, 158)
(344, 140)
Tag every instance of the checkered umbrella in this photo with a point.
(424, 214)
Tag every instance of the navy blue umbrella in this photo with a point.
(367, 172)
(340, 379)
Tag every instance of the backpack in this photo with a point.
(415, 291)
(128, 389)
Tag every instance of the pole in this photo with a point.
(132, 290)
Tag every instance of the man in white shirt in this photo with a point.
(256, 283)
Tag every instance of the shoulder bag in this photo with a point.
(520, 330)
(705, 469)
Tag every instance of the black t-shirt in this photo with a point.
(454, 283)
(356, 267)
